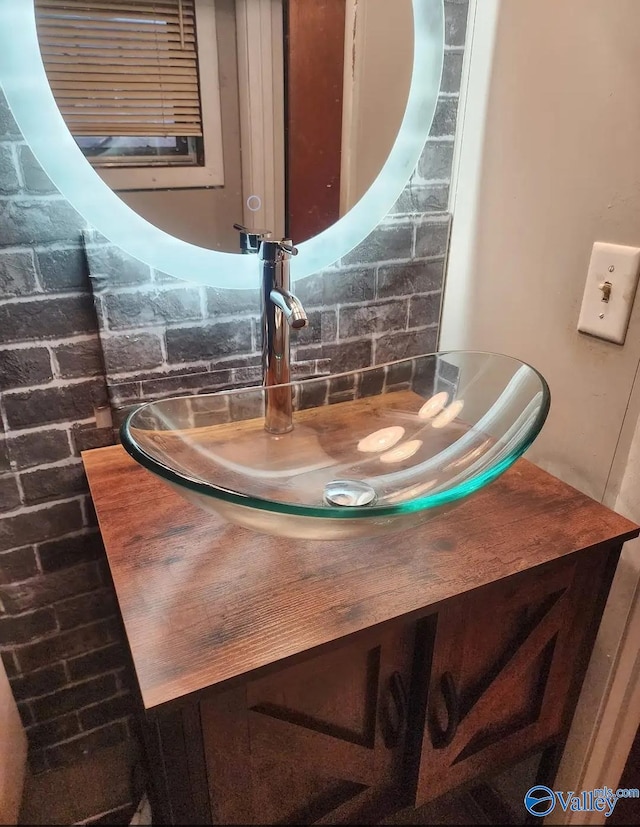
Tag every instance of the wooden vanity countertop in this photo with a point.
(205, 602)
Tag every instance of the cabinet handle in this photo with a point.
(392, 732)
(442, 738)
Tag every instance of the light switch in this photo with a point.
(611, 288)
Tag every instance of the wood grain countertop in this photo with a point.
(205, 602)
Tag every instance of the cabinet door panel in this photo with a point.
(503, 662)
(318, 742)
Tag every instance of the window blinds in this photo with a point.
(122, 67)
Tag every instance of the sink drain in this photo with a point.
(349, 493)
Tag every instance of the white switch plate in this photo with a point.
(620, 266)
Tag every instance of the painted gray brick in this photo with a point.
(17, 273)
(50, 588)
(39, 682)
(77, 749)
(424, 310)
(88, 437)
(55, 555)
(24, 529)
(9, 182)
(444, 119)
(232, 302)
(405, 345)
(171, 385)
(130, 352)
(344, 356)
(410, 278)
(38, 220)
(68, 698)
(18, 564)
(372, 318)
(85, 608)
(26, 627)
(451, 72)
(455, 22)
(51, 732)
(82, 358)
(432, 240)
(9, 493)
(64, 269)
(111, 266)
(385, 243)
(53, 483)
(46, 318)
(35, 179)
(4, 455)
(38, 448)
(96, 663)
(336, 287)
(22, 367)
(322, 327)
(210, 341)
(8, 126)
(125, 310)
(436, 161)
(420, 199)
(62, 404)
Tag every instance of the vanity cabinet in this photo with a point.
(501, 674)
(334, 683)
(324, 738)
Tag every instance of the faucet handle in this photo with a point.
(250, 240)
(286, 245)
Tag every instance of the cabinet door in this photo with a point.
(504, 660)
(321, 741)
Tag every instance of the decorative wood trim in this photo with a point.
(322, 754)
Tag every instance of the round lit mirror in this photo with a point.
(165, 123)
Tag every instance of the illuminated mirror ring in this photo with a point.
(25, 85)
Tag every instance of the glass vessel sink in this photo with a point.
(371, 451)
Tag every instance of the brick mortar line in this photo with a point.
(54, 384)
(33, 509)
(57, 538)
(105, 813)
(26, 344)
(377, 335)
(41, 298)
(67, 462)
(124, 719)
(74, 685)
(48, 197)
(17, 647)
(49, 426)
(17, 165)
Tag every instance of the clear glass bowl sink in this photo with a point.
(371, 451)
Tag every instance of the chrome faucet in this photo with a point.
(281, 310)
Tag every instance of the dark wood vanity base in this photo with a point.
(319, 682)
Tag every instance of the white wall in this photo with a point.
(559, 168)
(549, 162)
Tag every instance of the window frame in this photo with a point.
(184, 176)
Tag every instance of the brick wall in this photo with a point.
(149, 335)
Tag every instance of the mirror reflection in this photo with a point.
(200, 114)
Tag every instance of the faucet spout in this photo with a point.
(291, 307)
